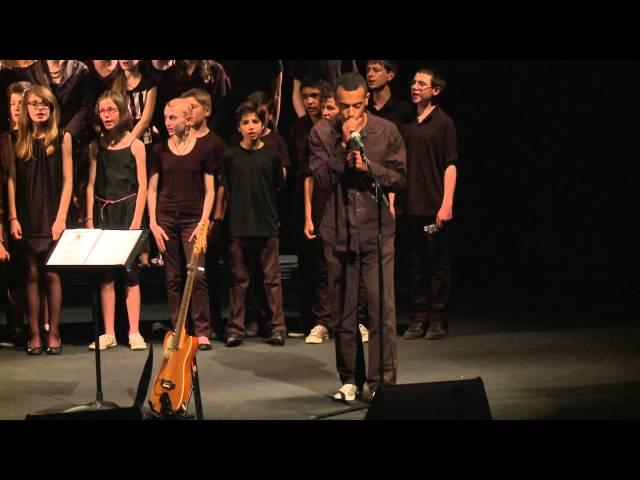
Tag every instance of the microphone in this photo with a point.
(357, 141)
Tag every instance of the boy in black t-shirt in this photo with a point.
(252, 175)
(426, 206)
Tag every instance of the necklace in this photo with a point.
(184, 146)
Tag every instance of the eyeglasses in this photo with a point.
(34, 104)
(110, 110)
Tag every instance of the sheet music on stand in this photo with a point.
(95, 251)
(95, 248)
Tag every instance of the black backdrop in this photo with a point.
(544, 215)
(545, 204)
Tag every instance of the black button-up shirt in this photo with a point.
(349, 221)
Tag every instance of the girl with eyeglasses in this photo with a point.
(40, 185)
(116, 197)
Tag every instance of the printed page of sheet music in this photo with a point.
(74, 246)
(113, 247)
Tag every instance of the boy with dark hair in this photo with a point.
(426, 206)
(314, 309)
(380, 73)
(274, 141)
(252, 176)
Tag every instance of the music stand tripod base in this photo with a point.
(93, 406)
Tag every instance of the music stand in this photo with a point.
(68, 254)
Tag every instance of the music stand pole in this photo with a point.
(100, 403)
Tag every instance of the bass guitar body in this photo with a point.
(173, 385)
(174, 378)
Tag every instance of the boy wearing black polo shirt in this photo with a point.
(426, 206)
(380, 73)
(252, 175)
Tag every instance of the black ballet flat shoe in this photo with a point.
(204, 347)
(34, 350)
(54, 350)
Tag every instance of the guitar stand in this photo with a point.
(196, 390)
(165, 409)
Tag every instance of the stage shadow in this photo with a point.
(299, 370)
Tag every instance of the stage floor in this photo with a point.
(533, 367)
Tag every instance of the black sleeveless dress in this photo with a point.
(116, 188)
(38, 193)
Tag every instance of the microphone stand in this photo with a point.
(380, 198)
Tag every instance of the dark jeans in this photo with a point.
(179, 228)
(345, 270)
(315, 304)
(428, 270)
(243, 252)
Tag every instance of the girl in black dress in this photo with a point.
(40, 184)
(14, 260)
(116, 197)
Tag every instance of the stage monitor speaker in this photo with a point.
(451, 400)
(129, 413)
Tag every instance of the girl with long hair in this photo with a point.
(116, 197)
(40, 185)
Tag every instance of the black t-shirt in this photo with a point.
(252, 179)
(272, 140)
(173, 84)
(137, 99)
(181, 177)
(299, 144)
(100, 84)
(431, 148)
(216, 146)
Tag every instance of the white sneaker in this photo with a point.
(364, 333)
(105, 341)
(136, 342)
(318, 334)
(347, 393)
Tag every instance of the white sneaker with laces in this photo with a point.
(136, 342)
(364, 333)
(105, 341)
(318, 334)
(347, 393)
